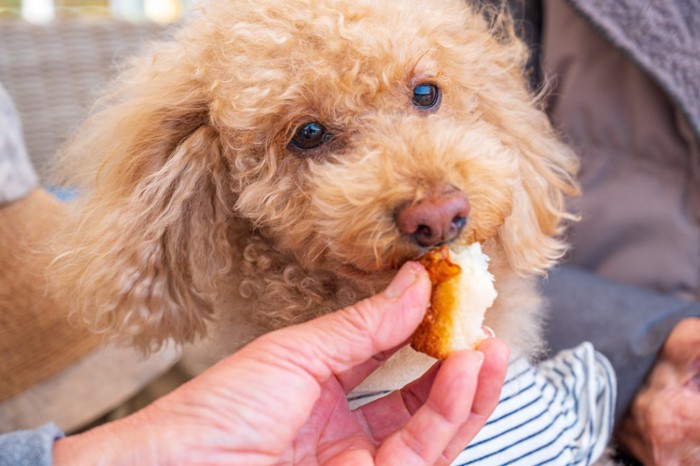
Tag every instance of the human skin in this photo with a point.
(282, 398)
(663, 426)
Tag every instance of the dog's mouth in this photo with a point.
(405, 248)
(379, 277)
(453, 244)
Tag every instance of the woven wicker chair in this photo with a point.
(53, 73)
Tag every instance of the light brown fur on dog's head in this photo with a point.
(192, 178)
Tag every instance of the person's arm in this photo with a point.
(628, 325)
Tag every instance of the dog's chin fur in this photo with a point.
(201, 218)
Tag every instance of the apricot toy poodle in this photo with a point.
(277, 160)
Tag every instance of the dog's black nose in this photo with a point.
(435, 219)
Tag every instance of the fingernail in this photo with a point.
(489, 331)
(405, 278)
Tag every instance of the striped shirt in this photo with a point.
(557, 412)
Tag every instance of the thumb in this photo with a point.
(343, 339)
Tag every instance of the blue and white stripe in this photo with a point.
(558, 412)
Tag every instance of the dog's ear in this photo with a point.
(150, 238)
(532, 236)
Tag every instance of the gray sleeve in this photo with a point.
(17, 176)
(29, 447)
(626, 324)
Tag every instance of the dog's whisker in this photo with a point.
(321, 251)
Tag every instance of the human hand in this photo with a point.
(281, 399)
(663, 426)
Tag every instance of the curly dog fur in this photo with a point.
(199, 209)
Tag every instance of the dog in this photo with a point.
(274, 161)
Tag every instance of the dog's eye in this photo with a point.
(310, 135)
(426, 96)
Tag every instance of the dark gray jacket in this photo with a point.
(624, 92)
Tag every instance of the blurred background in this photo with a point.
(43, 11)
(57, 55)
